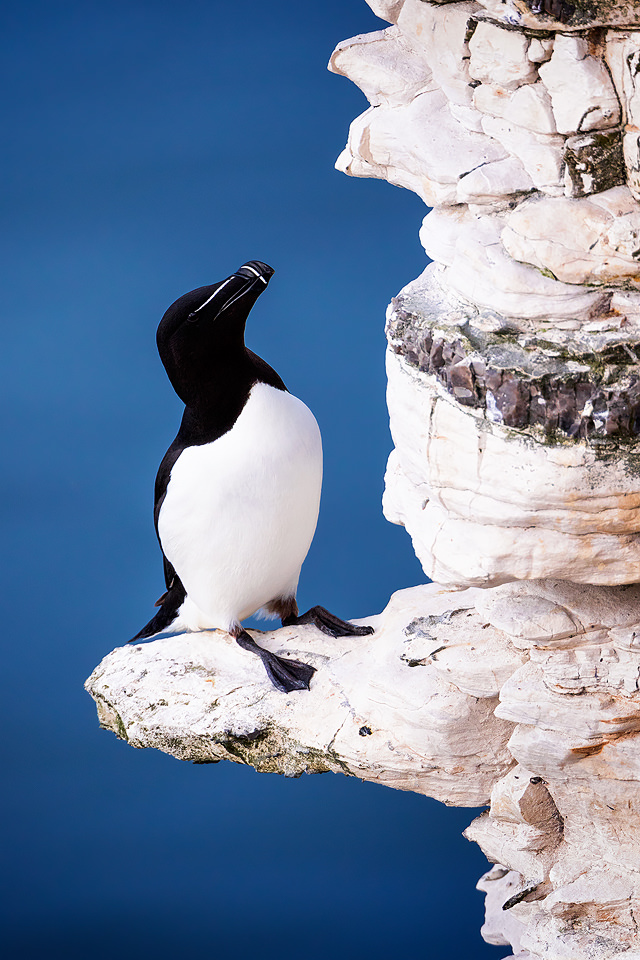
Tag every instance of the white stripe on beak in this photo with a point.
(212, 296)
(255, 272)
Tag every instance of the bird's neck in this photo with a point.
(216, 403)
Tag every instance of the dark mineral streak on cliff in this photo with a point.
(594, 162)
(586, 13)
(536, 386)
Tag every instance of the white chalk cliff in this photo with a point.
(513, 680)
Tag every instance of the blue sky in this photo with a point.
(151, 148)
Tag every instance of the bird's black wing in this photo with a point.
(162, 482)
(171, 601)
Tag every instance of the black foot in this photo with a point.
(325, 621)
(285, 675)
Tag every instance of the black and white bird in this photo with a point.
(238, 491)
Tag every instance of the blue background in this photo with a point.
(152, 147)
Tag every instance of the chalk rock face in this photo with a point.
(550, 105)
(413, 708)
(582, 93)
(486, 507)
(514, 401)
(565, 820)
(514, 389)
(525, 697)
(588, 241)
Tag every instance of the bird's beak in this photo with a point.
(254, 272)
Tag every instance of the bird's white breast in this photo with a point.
(240, 513)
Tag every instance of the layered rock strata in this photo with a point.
(513, 680)
(514, 399)
(520, 340)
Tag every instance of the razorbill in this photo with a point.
(238, 491)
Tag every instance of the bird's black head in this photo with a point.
(201, 336)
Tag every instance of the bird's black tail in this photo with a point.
(169, 605)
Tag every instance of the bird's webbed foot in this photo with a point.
(285, 675)
(327, 623)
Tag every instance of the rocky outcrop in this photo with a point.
(524, 697)
(513, 680)
(514, 389)
(514, 399)
(384, 710)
